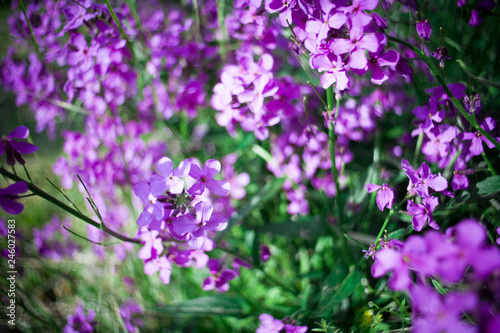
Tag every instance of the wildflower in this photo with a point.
(9, 195)
(161, 264)
(14, 149)
(195, 227)
(476, 138)
(153, 209)
(205, 178)
(385, 195)
(130, 312)
(422, 213)
(441, 54)
(78, 322)
(169, 179)
(424, 30)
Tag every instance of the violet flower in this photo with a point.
(269, 325)
(441, 54)
(153, 245)
(265, 253)
(424, 30)
(220, 277)
(433, 313)
(152, 210)
(161, 264)
(130, 313)
(195, 227)
(477, 139)
(385, 195)
(334, 71)
(13, 149)
(169, 179)
(78, 322)
(422, 179)
(205, 179)
(422, 213)
(9, 195)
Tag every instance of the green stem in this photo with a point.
(30, 27)
(41, 193)
(490, 166)
(386, 222)
(119, 25)
(420, 140)
(333, 140)
(441, 81)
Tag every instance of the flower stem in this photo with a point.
(441, 81)
(41, 193)
(333, 140)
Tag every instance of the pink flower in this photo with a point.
(385, 195)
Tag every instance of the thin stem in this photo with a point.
(27, 173)
(386, 222)
(119, 25)
(333, 139)
(30, 27)
(418, 148)
(490, 166)
(441, 81)
(41, 193)
(317, 93)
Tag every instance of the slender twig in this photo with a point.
(41, 193)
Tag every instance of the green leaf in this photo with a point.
(306, 227)
(438, 287)
(333, 295)
(483, 81)
(218, 305)
(400, 233)
(489, 185)
(267, 192)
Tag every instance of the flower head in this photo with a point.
(13, 149)
(9, 195)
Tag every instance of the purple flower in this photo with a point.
(441, 54)
(460, 180)
(265, 253)
(385, 195)
(153, 245)
(152, 210)
(477, 139)
(438, 145)
(422, 213)
(169, 179)
(377, 61)
(130, 312)
(48, 245)
(205, 179)
(161, 264)
(269, 325)
(78, 322)
(195, 227)
(434, 313)
(13, 149)
(424, 30)
(422, 179)
(334, 71)
(220, 277)
(9, 195)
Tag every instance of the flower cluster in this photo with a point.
(458, 255)
(47, 244)
(179, 211)
(79, 322)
